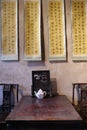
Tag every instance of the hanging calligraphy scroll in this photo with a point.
(32, 32)
(9, 27)
(79, 29)
(56, 23)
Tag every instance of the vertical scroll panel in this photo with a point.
(56, 30)
(9, 29)
(79, 29)
(32, 30)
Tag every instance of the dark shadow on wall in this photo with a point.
(53, 84)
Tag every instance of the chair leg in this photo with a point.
(2, 126)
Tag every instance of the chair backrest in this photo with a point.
(81, 107)
(81, 89)
(10, 96)
(84, 93)
(41, 80)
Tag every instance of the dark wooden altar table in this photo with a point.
(54, 113)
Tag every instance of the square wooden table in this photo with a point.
(49, 113)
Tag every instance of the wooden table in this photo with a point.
(49, 113)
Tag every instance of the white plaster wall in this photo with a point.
(65, 73)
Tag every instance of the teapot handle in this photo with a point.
(45, 93)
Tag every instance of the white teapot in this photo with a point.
(40, 94)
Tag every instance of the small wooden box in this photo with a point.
(41, 80)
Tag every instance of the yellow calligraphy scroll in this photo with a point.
(79, 29)
(32, 29)
(57, 49)
(9, 28)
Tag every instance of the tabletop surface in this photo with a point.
(52, 108)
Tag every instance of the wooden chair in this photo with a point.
(81, 107)
(8, 103)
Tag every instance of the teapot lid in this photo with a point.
(40, 91)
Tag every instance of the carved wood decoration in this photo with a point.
(9, 30)
(56, 23)
(79, 29)
(32, 32)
